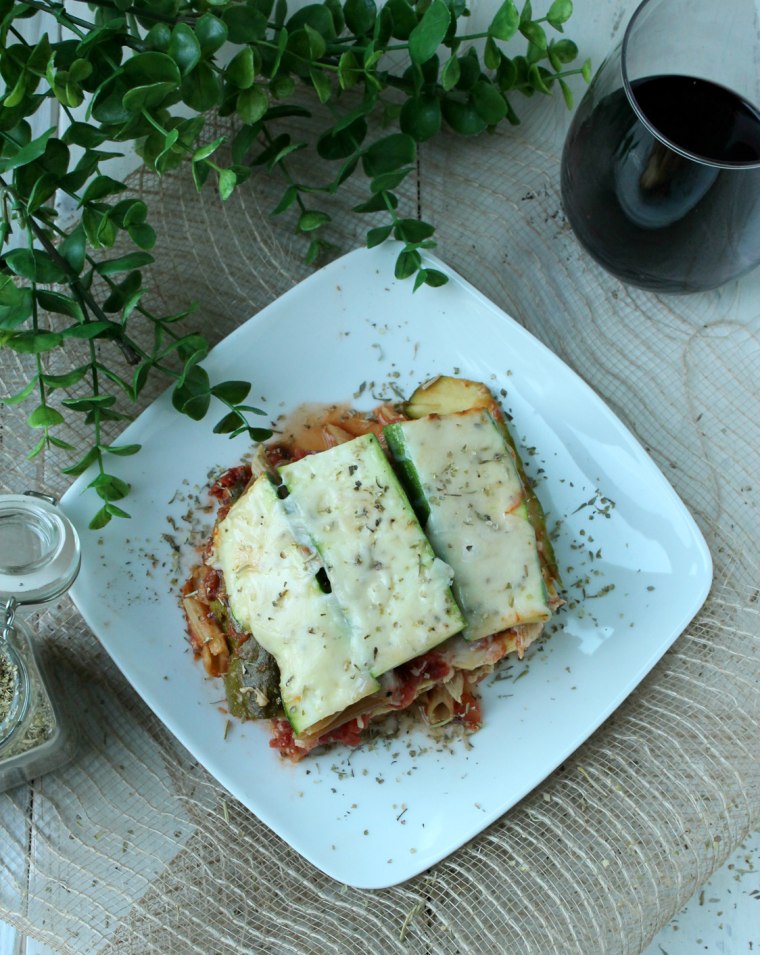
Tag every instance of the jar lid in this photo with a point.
(39, 549)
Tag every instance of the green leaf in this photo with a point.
(60, 304)
(313, 252)
(193, 397)
(506, 22)
(201, 88)
(80, 69)
(317, 16)
(148, 96)
(158, 37)
(491, 54)
(67, 379)
(288, 198)
(506, 75)
(268, 155)
(539, 78)
(22, 395)
(349, 71)
(489, 103)
(463, 117)
(470, 70)
(559, 12)
(251, 104)
(567, 94)
(360, 16)
(143, 235)
(151, 67)
(39, 447)
(241, 71)
(28, 153)
(109, 487)
(378, 236)
(346, 171)
(229, 423)
(24, 85)
(534, 33)
(565, 50)
(200, 171)
(82, 134)
(419, 279)
(115, 511)
(232, 392)
(35, 265)
(122, 450)
(390, 180)
(388, 154)
(412, 230)
(82, 464)
(450, 73)
(227, 183)
(122, 291)
(44, 416)
(89, 403)
(129, 211)
(258, 434)
(91, 330)
(184, 48)
(100, 187)
(429, 33)
(60, 443)
(211, 33)
(340, 144)
(124, 263)
(42, 190)
(317, 45)
(407, 263)
(15, 305)
(203, 152)
(336, 10)
(378, 203)
(321, 84)
(101, 518)
(282, 86)
(312, 219)
(420, 116)
(244, 23)
(403, 19)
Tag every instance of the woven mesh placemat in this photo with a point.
(133, 848)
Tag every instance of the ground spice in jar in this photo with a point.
(39, 559)
(8, 674)
(39, 723)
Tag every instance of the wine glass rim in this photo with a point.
(628, 87)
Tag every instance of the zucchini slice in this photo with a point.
(273, 588)
(447, 395)
(392, 589)
(462, 472)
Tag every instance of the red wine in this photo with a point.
(676, 211)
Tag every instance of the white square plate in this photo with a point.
(636, 569)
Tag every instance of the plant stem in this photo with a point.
(59, 13)
(128, 349)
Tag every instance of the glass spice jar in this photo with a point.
(39, 560)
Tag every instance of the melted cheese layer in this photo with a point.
(478, 522)
(392, 589)
(273, 592)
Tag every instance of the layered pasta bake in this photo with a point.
(368, 562)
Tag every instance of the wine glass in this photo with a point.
(661, 166)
